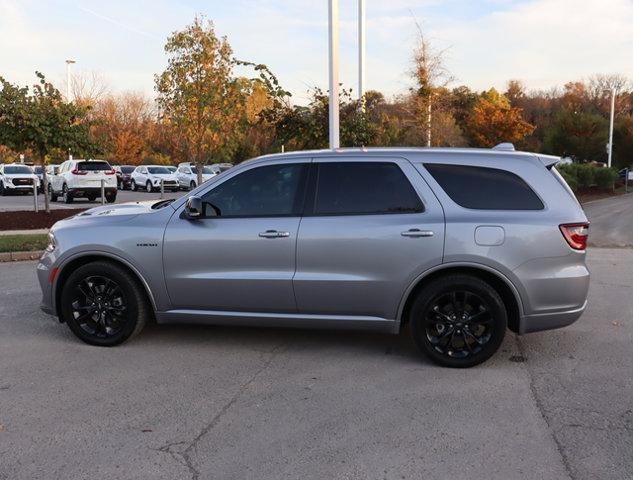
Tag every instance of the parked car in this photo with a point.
(458, 244)
(17, 178)
(171, 168)
(187, 175)
(124, 176)
(623, 173)
(82, 179)
(149, 177)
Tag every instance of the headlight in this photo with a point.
(156, 181)
(52, 242)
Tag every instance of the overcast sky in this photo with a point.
(545, 43)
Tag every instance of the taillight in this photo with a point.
(110, 172)
(576, 234)
(76, 171)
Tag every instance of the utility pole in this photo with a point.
(611, 127)
(334, 68)
(428, 122)
(68, 89)
(361, 54)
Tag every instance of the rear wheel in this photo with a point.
(192, 185)
(458, 321)
(134, 188)
(110, 197)
(103, 304)
(51, 193)
(66, 195)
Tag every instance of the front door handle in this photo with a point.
(274, 234)
(416, 232)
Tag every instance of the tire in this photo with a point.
(91, 198)
(111, 198)
(458, 321)
(192, 185)
(100, 289)
(148, 187)
(133, 186)
(3, 191)
(66, 195)
(52, 193)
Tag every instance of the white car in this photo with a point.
(82, 178)
(15, 177)
(149, 177)
(188, 175)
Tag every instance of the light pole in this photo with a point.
(611, 127)
(361, 54)
(333, 64)
(68, 63)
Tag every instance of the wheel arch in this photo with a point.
(506, 289)
(82, 259)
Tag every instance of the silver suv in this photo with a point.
(456, 245)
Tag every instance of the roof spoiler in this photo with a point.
(548, 160)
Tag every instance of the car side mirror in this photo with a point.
(193, 208)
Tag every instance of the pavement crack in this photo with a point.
(182, 451)
(540, 407)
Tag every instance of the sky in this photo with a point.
(544, 43)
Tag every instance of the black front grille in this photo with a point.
(22, 181)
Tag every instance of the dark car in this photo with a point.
(124, 176)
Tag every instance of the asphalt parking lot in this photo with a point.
(215, 402)
(25, 202)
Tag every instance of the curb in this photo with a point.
(36, 231)
(20, 256)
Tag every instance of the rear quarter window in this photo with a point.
(484, 188)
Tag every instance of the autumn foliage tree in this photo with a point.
(494, 120)
(199, 98)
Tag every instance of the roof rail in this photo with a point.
(506, 147)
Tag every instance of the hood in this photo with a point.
(168, 176)
(131, 208)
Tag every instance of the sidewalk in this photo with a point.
(36, 231)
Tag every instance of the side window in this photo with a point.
(275, 190)
(364, 188)
(484, 188)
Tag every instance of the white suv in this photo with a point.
(149, 177)
(188, 175)
(15, 177)
(82, 178)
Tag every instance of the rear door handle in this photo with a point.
(274, 234)
(416, 232)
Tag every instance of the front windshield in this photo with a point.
(17, 169)
(37, 170)
(158, 170)
(206, 170)
(127, 169)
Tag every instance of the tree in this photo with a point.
(198, 96)
(577, 134)
(42, 121)
(493, 120)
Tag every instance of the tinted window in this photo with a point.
(93, 166)
(264, 191)
(158, 170)
(127, 169)
(485, 188)
(361, 188)
(17, 169)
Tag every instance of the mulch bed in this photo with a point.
(26, 220)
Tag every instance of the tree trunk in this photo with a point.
(199, 167)
(47, 207)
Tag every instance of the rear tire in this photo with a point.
(52, 194)
(192, 185)
(111, 198)
(66, 195)
(458, 321)
(103, 304)
(3, 191)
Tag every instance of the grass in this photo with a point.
(23, 243)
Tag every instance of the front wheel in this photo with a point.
(103, 304)
(3, 192)
(458, 321)
(51, 193)
(148, 187)
(192, 185)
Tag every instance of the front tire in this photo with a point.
(3, 191)
(134, 187)
(52, 193)
(148, 187)
(192, 185)
(458, 321)
(103, 304)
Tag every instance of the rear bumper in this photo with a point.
(86, 191)
(550, 321)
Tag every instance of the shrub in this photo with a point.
(585, 175)
(605, 177)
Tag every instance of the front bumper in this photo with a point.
(44, 268)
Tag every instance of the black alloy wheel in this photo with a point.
(103, 304)
(459, 321)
